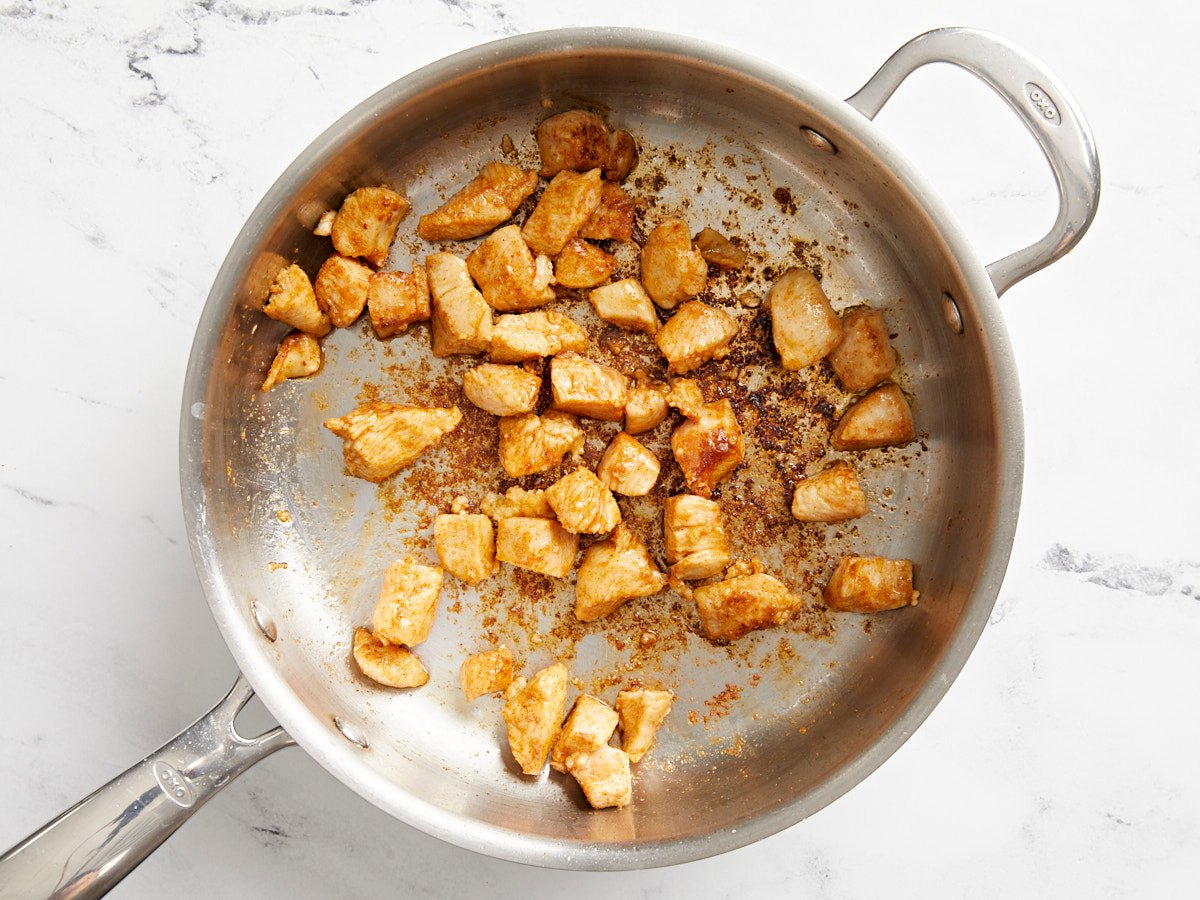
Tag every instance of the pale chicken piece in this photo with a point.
(628, 466)
(517, 502)
(533, 712)
(299, 355)
(587, 729)
(291, 300)
(880, 419)
(380, 439)
(695, 334)
(865, 356)
(646, 407)
(341, 288)
(736, 606)
(525, 336)
(803, 324)
(583, 265)
(407, 603)
(579, 140)
(324, 226)
(530, 443)
(397, 299)
(626, 304)
(387, 664)
(582, 504)
(604, 776)
(867, 584)
(719, 250)
(694, 534)
(672, 269)
(487, 673)
(832, 495)
(613, 571)
(539, 545)
(488, 200)
(613, 218)
(501, 390)
(509, 276)
(466, 545)
(587, 388)
(366, 224)
(641, 713)
(567, 203)
(461, 320)
(709, 445)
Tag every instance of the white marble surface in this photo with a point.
(135, 137)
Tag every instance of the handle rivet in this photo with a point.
(953, 316)
(350, 733)
(263, 620)
(817, 140)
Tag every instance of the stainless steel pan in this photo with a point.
(290, 550)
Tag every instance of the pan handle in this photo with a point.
(1045, 107)
(102, 838)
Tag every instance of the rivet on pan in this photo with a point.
(350, 733)
(263, 620)
(198, 410)
(953, 316)
(818, 140)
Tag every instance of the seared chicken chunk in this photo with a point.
(865, 356)
(604, 776)
(583, 265)
(487, 673)
(880, 419)
(408, 602)
(397, 299)
(466, 545)
(366, 224)
(709, 445)
(508, 274)
(518, 338)
(867, 584)
(299, 355)
(531, 444)
(324, 226)
(582, 504)
(341, 288)
(291, 300)
(579, 140)
(695, 334)
(380, 439)
(517, 502)
(488, 200)
(719, 250)
(832, 495)
(613, 218)
(613, 571)
(501, 390)
(803, 324)
(646, 407)
(587, 388)
(625, 303)
(672, 269)
(461, 321)
(628, 467)
(622, 157)
(588, 728)
(387, 664)
(566, 204)
(641, 712)
(744, 603)
(694, 535)
(539, 545)
(533, 712)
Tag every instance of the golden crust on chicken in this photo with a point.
(587, 388)
(865, 356)
(466, 545)
(709, 445)
(380, 439)
(582, 504)
(488, 200)
(628, 466)
(582, 265)
(567, 203)
(387, 664)
(487, 673)
(517, 502)
(299, 355)
(588, 727)
(291, 300)
(646, 407)
(694, 537)
(501, 390)
(510, 278)
(832, 495)
(613, 218)
(641, 713)
(604, 776)
(397, 299)
(880, 419)
(719, 250)
(407, 603)
(533, 712)
(867, 584)
(736, 606)
(530, 444)
(539, 545)
(614, 571)
(695, 334)
(803, 324)
(626, 304)
(578, 140)
(461, 320)
(366, 224)
(341, 288)
(520, 337)
(672, 269)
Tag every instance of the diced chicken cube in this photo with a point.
(341, 288)
(408, 602)
(744, 603)
(533, 712)
(299, 355)
(387, 664)
(625, 303)
(604, 776)
(466, 545)
(583, 265)
(694, 535)
(530, 444)
(366, 224)
(646, 407)
(509, 276)
(501, 390)
(539, 545)
(517, 338)
(567, 203)
(628, 466)
(865, 356)
(582, 504)
(517, 502)
(613, 218)
(613, 571)
(867, 584)
(487, 673)
(488, 200)
(695, 334)
(672, 269)
(587, 729)
(380, 439)
(324, 226)
(719, 250)
(579, 140)
(291, 300)
(709, 445)
(803, 324)
(880, 419)
(587, 388)
(622, 157)
(397, 299)
(461, 320)
(641, 713)
(832, 495)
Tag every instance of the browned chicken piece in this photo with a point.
(579, 140)
(387, 664)
(832, 495)
(672, 269)
(530, 444)
(613, 218)
(694, 535)
(613, 571)
(622, 157)
(646, 407)
(461, 320)
(517, 502)
(366, 224)
(567, 203)
(501, 390)
(341, 288)
(488, 200)
(626, 304)
(695, 334)
(709, 445)
(582, 504)
(517, 338)
(408, 602)
(466, 545)
(299, 355)
(508, 274)
(719, 250)
(867, 584)
(628, 466)
(533, 712)
(588, 728)
(487, 673)
(587, 388)
(539, 545)
(744, 603)
(380, 439)
(803, 324)
(604, 776)
(583, 265)
(865, 356)
(880, 419)
(291, 300)
(641, 713)
(397, 299)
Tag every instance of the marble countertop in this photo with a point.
(137, 137)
